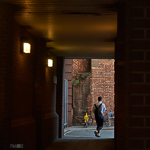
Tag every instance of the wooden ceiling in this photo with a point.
(72, 28)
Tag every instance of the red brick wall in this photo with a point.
(45, 96)
(19, 125)
(22, 75)
(81, 66)
(50, 121)
(69, 77)
(28, 94)
(99, 82)
(121, 77)
(81, 99)
(132, 70)
(139, 67)
(22, 91)
(72, 67)
(81, 92)
(6, 35)
(102, 82)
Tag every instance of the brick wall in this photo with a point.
(139, 73)
(50, 122)
(69, 77)
(99, 81)
(22, 120)
(28, 94)
(131, 85)
(81, 66)
(81, 99)
(6, 35)
(132, 72)
(102, 82)
(45, 96)
(81, 91)
(19, 125)
(121, 81)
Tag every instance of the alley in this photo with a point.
(81, 132)
(77, 137)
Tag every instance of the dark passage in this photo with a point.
(82, 144)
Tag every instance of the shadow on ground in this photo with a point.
(79, 138)
(82, 144)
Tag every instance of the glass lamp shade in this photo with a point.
(50, 63)
(26, 48)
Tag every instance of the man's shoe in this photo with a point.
(95, 133)
(98, 135)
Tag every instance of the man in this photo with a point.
(99, 120)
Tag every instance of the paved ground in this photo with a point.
(82, 144)
(80, 132)
(79, 138)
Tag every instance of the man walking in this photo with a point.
(99, 119)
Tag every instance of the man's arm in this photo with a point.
(104, 108)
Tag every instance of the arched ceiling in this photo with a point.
(72, 28)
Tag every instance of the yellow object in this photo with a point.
(86, 117)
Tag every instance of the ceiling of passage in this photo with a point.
(72, 28)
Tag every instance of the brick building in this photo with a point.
(32, 102)
(91, 78)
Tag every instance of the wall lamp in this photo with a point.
(25, 46)
(50, 62)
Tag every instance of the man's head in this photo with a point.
(99, 98)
